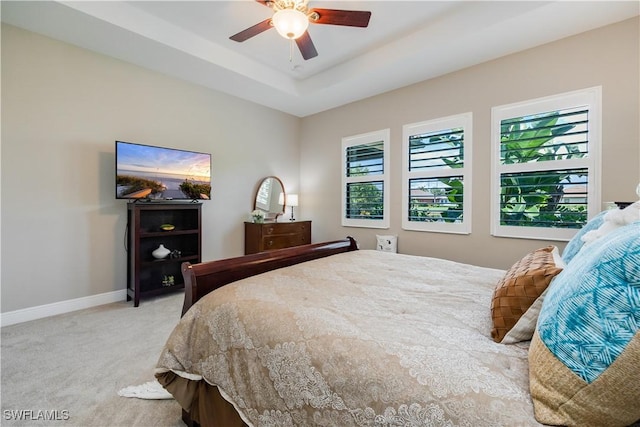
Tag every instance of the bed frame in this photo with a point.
(203, 278)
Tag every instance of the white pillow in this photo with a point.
(614, 219)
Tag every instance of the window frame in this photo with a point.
(591, 98)
(465, 121)
(384, 136)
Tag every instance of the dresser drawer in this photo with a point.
(283, 241)
(284, 228)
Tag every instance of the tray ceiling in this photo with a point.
(406, 41)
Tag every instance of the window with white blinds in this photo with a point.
(546, 165)
(436, 193)
(365, 180)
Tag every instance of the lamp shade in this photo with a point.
(292, 200)
(290, 23)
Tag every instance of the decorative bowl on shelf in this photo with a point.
(167, 227)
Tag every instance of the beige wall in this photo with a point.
(62, 109)
(606, 57)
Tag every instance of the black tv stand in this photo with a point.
(146, 275)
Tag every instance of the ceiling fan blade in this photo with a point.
(252, 31)
(350, 18)
(307, 49)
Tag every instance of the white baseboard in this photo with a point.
(41, 311)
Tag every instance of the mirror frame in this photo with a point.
(270, 216)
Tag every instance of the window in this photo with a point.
(436, 165)
(545, 161)
(365, 180)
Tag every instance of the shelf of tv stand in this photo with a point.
(179, 260)
(155, 292)
(145, 234)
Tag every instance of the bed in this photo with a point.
(328, 335)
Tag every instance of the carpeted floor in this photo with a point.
(70, 367)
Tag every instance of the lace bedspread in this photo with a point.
(362, 338)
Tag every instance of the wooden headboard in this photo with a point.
(202, 278)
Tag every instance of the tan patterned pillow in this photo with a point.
(518, 296)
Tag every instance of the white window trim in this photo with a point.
(465, 121)
(383, 135)
(591, 98)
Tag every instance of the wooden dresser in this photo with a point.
(275, 235)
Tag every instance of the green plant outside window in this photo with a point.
(551, 197)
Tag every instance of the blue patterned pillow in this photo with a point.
(583, 359)
(576, 242)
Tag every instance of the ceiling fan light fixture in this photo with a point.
(290, 23)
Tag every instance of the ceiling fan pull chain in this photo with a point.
(290, 50)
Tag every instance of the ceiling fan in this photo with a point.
(291, 19)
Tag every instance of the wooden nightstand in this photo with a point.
(259, 237)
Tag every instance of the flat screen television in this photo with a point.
(147, 172)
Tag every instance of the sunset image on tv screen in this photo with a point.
(149, 172)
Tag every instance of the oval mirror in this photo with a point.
(270, 198)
